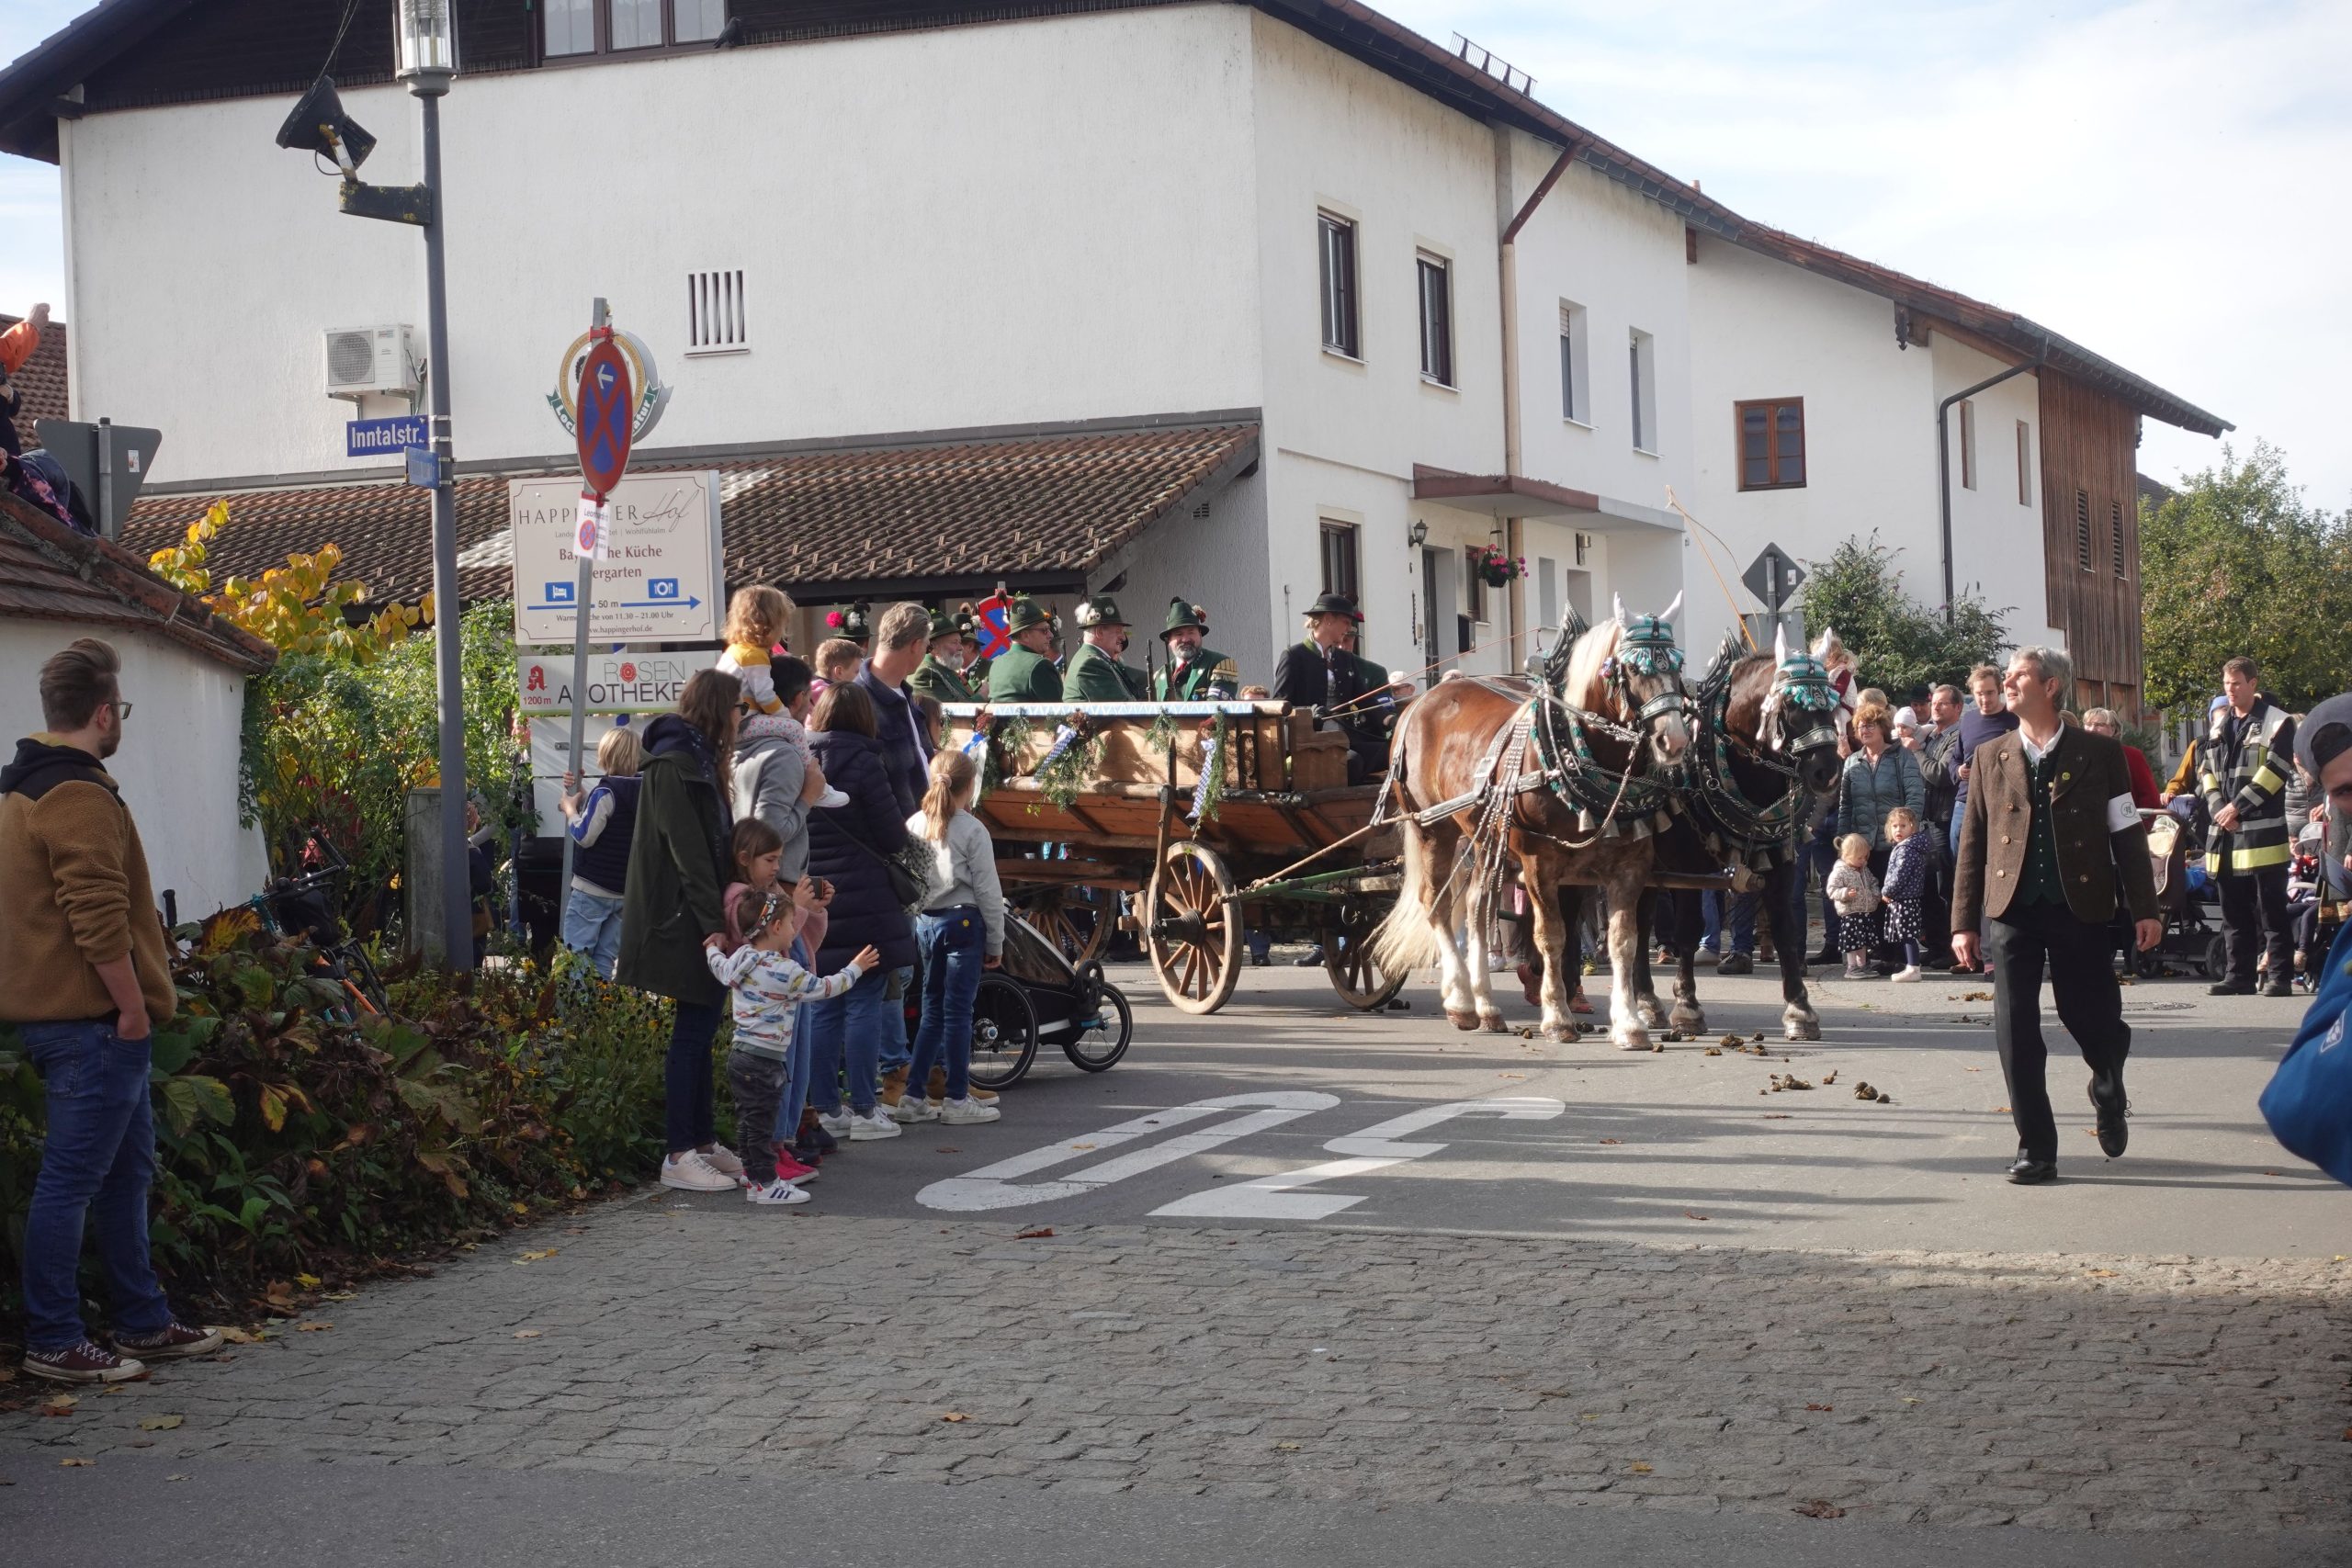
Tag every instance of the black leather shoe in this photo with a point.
(2033, 1172)
(2106, 1099)
(2228, 988)
(2279, 986)
(1736, 963)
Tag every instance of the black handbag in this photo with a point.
(906, 887)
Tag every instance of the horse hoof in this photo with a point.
(1464, 1021)
(1560, 1034)
(1652, 1015)
(1635, 1040)
(1689, 1020)
(1492, 1023)
(1797, 1031)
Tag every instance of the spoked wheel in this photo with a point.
(1195, 928)
(1098, 1035)
(1004, 1034)
(1077, 920)
(1362, 983)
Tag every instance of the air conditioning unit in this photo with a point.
(364, 360)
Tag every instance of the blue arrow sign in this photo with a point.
(690, 602)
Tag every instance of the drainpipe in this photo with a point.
(1514, 541)
(1943, 454)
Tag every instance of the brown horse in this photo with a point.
(1461, 746)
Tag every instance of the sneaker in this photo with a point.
(85, 1362)
(788, 1169)
(816, 1135)
(807, 1154)
(913, 1108)
(872, 1126)
(174, 1340)
(1860, 969)
(964, 1113)
(724, 1161)
(936, 1086)
(835, 1124)
(1706, 957)
(1311, 959)
(894, 1084)
(778, 1193)
(1906, 976)
(1737, 964)
(832, 799)
(690, 1172)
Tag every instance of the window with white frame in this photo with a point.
(1641, 359)
(1341, 573)
(615, 26)
(1437, 319)
(1576, 391)
(1336, 238)
(717, 319)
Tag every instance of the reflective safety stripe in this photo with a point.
(2255, 859)
(2266, 779)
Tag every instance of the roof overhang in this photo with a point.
(49, 572)
(1517, 495)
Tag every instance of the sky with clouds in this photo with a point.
(2156, 179)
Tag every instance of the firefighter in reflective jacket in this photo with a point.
(2243, 778)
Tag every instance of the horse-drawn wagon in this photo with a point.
(1216, 819)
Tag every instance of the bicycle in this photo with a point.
(340, 959)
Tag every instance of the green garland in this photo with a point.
(1061, 780)
(1008, 739)
(1159, 736)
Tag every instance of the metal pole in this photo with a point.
(457, 903)
(587, 585)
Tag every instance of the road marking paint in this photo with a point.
(992, 1186)
(1277, 1198)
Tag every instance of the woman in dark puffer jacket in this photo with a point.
(848, 846)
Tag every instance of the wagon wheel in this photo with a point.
(1077, 920)
(1195, 928)
(1361, 981)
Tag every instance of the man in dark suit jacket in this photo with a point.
(1350, 690)
(2049, 828)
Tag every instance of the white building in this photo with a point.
(1237, 301)
(183, 672)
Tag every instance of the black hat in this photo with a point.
(1183, 613)
(2325, 733)
(1335, 604)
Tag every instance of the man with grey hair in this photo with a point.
(900, 639)
(2049, 831)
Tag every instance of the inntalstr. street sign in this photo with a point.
(660, 581)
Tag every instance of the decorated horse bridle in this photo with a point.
(1734, 825)
(1648, 648)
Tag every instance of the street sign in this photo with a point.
(1774, 578)
(660, 581)
(108, 483)
(607, 412)
(374, 437)
(626, 681)
(424, 468)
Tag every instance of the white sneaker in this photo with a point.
(967, 1112)
(778, 1191)
(871, 1126)
(837, 1122)
(912, 1108)
(831, 799)
(690, 1172)
(723, 1160)
(1907, 977)
(1706, 958)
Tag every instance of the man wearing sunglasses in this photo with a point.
(85, 975)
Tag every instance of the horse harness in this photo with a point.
(1734, 826)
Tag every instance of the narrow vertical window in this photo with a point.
(1437, 320)
(2115, 521)
(1968, 444)
(2083, 529)
(1576, 402)
(1338, 239)
(2025, 463)
(1642, 375)
(1340, 573)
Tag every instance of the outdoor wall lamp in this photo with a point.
(1418, 532)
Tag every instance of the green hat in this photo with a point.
(854, 623)
(1024, 614)
(1183, 613)
(1099, 611)
(942, 625)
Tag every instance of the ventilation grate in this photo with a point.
(716, 319)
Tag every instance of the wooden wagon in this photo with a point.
(1281, 843)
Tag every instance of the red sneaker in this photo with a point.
(174, 1340)
(790, 1169)
(84, 1362)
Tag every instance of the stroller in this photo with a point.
(2183, 896)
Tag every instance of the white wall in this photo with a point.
(1997, 544)
(178, 768)
(1053, 219)
(1217, 563)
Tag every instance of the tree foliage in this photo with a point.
(1900, 646)
(297, 608)
(2235, 563)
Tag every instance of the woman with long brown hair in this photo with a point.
(672, 909)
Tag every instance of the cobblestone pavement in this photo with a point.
(671, 1336)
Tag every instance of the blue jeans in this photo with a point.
(98, 1161)
(954, 944)
(845, 1038)
(897, 1050)
(686, 1092)
(796, 1085)
(1741, 915)
(592, 924)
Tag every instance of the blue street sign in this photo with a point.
(560, 593)
(424, 468)
(381, 438)
(661, 587)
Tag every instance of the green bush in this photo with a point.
(294, 1141)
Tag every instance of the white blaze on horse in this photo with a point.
(1563, 787)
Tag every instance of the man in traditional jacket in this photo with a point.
(940, 676)
(1094, 673)
(1024, 672)
(1347, 688)
(1192, 673)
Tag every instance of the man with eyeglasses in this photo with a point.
(85, 975)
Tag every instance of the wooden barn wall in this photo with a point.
(2090, 520)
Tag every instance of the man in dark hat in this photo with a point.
(854, 623)
(1347, 688)
(1193, 674)
(1094, 673)
(1024, 672)
(940, 676)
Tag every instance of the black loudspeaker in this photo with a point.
(318, 123)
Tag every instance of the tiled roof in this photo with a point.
(42, 379)
(1035, 512)
(50, 572)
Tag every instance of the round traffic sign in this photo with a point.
(607, 411)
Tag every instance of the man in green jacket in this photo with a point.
(1024, 672)
(1095, 674)
(1192, 673)
(940, 676)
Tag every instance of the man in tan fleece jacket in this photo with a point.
(85, 975)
